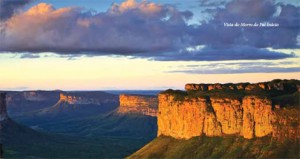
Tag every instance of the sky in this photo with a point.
(146, 45)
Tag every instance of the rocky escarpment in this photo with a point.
(277, 85)
(184, 115)
(141, 104)
(89, 102)
(84, 98)
(70, 98)
(68, 102)
(3, 112)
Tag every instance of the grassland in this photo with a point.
(218, 147)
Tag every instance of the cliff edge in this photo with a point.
(274, 85)
(140, 104)
(219, 112)
(83, 102)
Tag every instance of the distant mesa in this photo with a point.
(66, 102)
(73, 99)
(88, 102)
(139, 104)
(84, 98)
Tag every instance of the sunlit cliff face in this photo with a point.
(73, 99)
(138, 104)
(253, 117)
(185, 115)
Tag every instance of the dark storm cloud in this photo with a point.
(220, 54)
(215, 34)
(8, 7)
(161, 32)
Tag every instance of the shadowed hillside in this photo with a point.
(21, 142)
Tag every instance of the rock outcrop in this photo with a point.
(257, 117)
(251, 117)
(78, 98)
(184, 116)
(277, 85)
(198, 116)
(181, 119)
(3, 112)
(229, 113)
(83, 102)
(141, 104)
(72, 99)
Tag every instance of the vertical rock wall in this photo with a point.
(250, 117)
(140, 104)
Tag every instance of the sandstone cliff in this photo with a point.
(83, 102)
(75, 99)
(140, 104)
(183, 115)
(277, 85)
(78, 98)
(69, 101)
(3, 112)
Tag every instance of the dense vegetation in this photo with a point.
(107, 136)
(287, 97)
(76, 131)
(106, 125)
(218, 147)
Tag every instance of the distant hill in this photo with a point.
(88, 124)
(23, 102)
(21, 142)
(82, 103)
(68, 105)
(93, 114)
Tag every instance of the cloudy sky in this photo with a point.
(139, 44)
